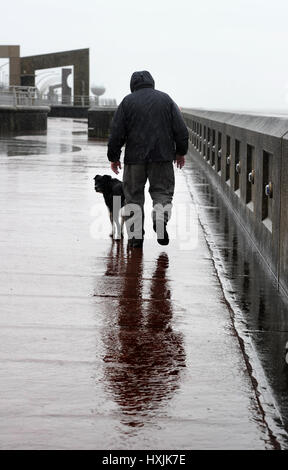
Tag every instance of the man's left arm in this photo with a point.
(181, 135)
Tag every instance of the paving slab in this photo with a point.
(103, 347)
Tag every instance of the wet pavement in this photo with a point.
(107, 348)
(259, 310)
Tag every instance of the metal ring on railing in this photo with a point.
(238, 168)
(269, 190)
(251, 177)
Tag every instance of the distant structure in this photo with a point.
(65, 88)
(13, 54)
(22, 73)
(22, 69)
(78, 58)
(97, 91)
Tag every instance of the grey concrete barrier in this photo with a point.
(246, 157)
(76, 112)
(99, 121)
(18, 119)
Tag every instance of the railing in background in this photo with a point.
(81, 100)
(20, 96)
(246, 157)
(30, 96)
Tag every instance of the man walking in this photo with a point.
(151, 125)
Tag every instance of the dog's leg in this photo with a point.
(122, 220)
(112, 224)
(117, 226)
(122, 225)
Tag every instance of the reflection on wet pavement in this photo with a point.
(254, 290)
(144, 356)
(16, 147)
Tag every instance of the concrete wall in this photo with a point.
(257, 145)
(23, 119)
(80, 112)
(99, 122)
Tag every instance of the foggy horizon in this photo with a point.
(220, 55)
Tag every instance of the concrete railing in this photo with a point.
(246, 157)
(100, 121)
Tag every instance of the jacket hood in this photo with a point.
(141, 80)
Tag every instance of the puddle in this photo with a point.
(18, 147)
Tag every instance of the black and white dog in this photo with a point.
(110, 187)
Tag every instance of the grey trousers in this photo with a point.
(161, 188)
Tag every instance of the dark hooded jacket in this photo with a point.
(149, 123)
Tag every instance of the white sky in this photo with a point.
(207, 53)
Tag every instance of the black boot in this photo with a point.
(136, 242)
(164, 240)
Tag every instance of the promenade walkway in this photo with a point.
(102, 347)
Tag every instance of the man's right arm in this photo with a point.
(118, 135)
